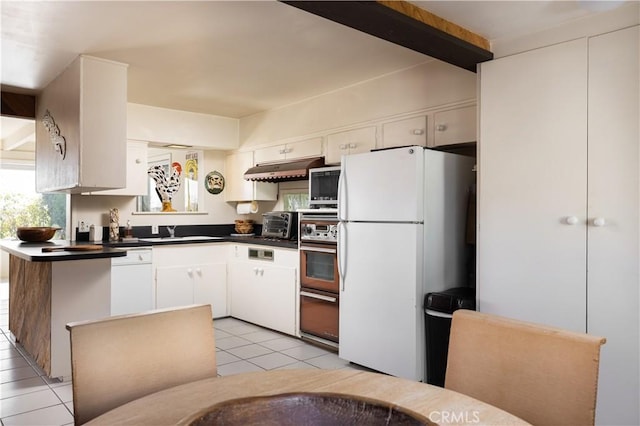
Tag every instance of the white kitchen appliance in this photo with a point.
(401, 235)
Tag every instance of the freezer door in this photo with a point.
(382, 186)
(381, 321)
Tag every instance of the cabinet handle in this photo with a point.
(571, 220)
(138, 161)
(190, 272)
(343, 146)
(418, 132)
(198, 271)
(352, 145)
(261, 272)
(599, 221)
(255, 271)
(288, 150)
(282, 151)
(441, 127)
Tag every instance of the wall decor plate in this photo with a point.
(214, 182)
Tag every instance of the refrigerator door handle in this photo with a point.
(342, 252)
(342, 189)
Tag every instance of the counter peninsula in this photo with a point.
(47, 290)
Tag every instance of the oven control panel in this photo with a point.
(319, 231)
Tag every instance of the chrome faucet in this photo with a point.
(172, 231)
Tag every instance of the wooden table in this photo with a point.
(175, 405)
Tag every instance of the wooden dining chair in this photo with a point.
(118, 359)
(544, 375)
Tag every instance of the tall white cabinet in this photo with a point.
(559, 198)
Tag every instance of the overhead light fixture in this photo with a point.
(177, 146)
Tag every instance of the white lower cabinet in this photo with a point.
(264, 290)
(186, 274)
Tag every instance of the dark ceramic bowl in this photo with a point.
(305, 409)
(36, 234)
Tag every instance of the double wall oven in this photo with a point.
(319, 279)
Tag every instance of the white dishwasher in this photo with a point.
(132, 282)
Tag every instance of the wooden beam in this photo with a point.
(18, 105)
(403, 28)
(435, 21)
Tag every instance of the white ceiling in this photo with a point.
(232, 58)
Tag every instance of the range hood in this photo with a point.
(284, 171)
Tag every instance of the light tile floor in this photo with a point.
(28, 397)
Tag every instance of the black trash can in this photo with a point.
(438, 309)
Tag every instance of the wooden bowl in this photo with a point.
(305, 409)
(244, 226)
(36, 234)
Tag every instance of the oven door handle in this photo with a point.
(319, 296)
(319, 249)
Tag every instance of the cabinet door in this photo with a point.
(264, 294)
(278, 285)
(304, 149)
(455, 126)
(410, 131)
(245, 304)
(349, 142)
(613, 254)
(239, 189)
(269, 154)
(210, 287)
(131, 289)
(532, 177)
(174, 286)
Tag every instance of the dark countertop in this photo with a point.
(33, 251)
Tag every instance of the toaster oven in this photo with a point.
(280, 225)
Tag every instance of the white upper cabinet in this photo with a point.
(409, 131)
(83, 145)
(240, 189)
(302, 149)
(350, 142)
(137, 177)
(455, 126)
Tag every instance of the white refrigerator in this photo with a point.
(401, 235)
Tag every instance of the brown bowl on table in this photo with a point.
(36, 234)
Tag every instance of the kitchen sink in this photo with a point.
(189, 238)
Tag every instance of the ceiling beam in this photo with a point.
(406, 25)
(18, 105)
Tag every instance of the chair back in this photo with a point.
(544, 375)
(118, 359)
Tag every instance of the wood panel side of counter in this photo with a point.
(30, 307)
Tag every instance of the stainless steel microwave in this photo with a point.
(323, 187)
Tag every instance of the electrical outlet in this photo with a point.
(154, 229)
(83, 226)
